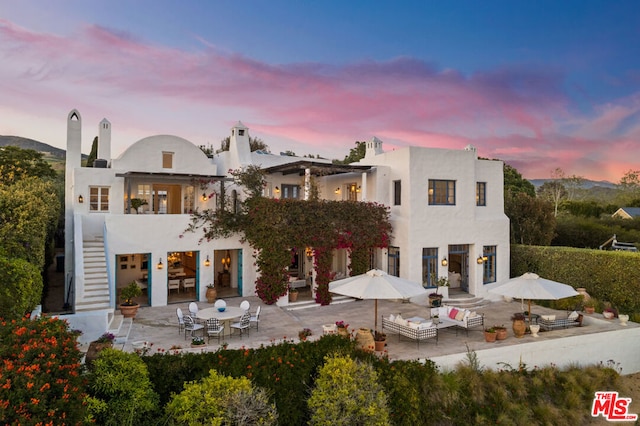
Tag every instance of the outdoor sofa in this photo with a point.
(460, 317)
(414, 330)
(550, 322)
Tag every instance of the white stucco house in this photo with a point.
(447, 211)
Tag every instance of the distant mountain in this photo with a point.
(26, 143)
(586, 183)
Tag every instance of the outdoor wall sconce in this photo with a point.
(309, 252)
(277, 190)
(226, 261)
(207, 262)
(80, 199)
(444, 262)
(204, 197)
(480, 260)
(358, 190)
(337, 191)
(160, 265)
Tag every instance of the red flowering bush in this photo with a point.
(40, 374)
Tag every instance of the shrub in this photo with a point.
(21, 287)
(40, 373)
(120, 390)
(219, 399)
(347, 392)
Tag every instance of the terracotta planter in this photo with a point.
(129, 311)
(589, 309)
(198, 346)
(379, 345)
(293, 296)
(501, 333)
(435, 301)
(212, 294)
(519, 328)
(94, 351)
(343, 331)
(490, 337)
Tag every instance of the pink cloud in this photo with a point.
(512, 113)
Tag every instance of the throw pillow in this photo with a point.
(413, 325)
(573, 316)
(399, 320)
(453, 313)
(392, 318)
(460, 315)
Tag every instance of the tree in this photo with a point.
(554, 192)
(254, 145)
(629, 186)
(17, 163)
(532, 219)
(355, 154)
(93, 154)
(514, 182)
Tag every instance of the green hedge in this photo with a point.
(612, 276)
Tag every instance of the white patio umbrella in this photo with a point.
(531, 286)
(376, 284)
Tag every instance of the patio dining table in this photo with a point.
(225, 317)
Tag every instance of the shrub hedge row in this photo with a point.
(612, 276)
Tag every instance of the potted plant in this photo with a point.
(519, 326)
(128, 307)
(443, 287)
(436, 318)
(490, 334)
(380, 340)
(501, 332)
(589, 305)
(342, 328)
(304, 333)
(609, 312)
(197, 342)
(103, 342)
(212, 293)
(435, 298)
(293, 294)
(136, 203)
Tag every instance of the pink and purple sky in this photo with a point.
(538, 84)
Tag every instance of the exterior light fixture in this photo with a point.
(80, 199)
(337, 191)
(480, 260)
(277, 190)
(444, 262)
(160, 265)
(358, 189)
(226, 261)
(207, 262)
(204, 197)
(309, 252)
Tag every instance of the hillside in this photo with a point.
(54, 156)
(586, 183)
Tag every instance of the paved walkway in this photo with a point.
(158, 325)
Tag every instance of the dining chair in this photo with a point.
(214, 328)
(180, 320)
(174, 285)
(189, 283)
(193, 309)
(255, 318)
(220, 304)
(245, 305)
(191, 326)
(243, 324)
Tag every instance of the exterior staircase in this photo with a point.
(96, 284)
(461, 299)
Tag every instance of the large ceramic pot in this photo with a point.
(365, 339)
(435, 300)
(379, 344)
(293, 296)
(534, 328)
(519, 328)
(212, 294)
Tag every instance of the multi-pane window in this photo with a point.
(394, 261)
(167, 160)
(189, 199)
(99, 199)
(397, 190)
(489, 264)
(429, 266)
(290, 191)
(352, 192)
(442, 192)
(481, 193)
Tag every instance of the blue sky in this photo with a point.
(540, 85)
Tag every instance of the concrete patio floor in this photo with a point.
(574, 345)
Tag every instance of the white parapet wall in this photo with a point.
(616, 348)
(93, 324)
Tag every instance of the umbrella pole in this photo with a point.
(376, 318)
(529, 311)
